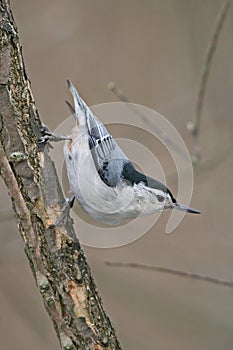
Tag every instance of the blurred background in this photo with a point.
(154, 51)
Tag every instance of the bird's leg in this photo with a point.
(69, 202)
(49, 136)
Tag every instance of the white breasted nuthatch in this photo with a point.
(102, 178)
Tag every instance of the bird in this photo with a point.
(103, 180)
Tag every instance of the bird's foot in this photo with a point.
(65, 211)
(49, 136)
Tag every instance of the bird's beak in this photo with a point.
(184, 208)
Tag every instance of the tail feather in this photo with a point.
(71, 108)
(80, 107)
(85, 116)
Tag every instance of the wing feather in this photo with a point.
(103, 147)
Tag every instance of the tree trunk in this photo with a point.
(56, 258)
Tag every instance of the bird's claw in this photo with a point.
(65, 210)
(49, 136)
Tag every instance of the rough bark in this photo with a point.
(56, 258)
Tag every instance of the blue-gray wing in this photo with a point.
(107, 155)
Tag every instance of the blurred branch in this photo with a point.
(56, 258)
(194, 126)
(205, 166)
(112, 86)
(171, 271)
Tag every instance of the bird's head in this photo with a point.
(165, 197)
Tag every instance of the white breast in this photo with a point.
(105, 204)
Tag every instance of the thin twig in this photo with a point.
(204, 165)
(112, 86)
(194, 126)
(171, 271)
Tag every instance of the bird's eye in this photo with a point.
(160, 198)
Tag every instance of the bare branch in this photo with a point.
(112, 86)
(194, 127)
(171, 271)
